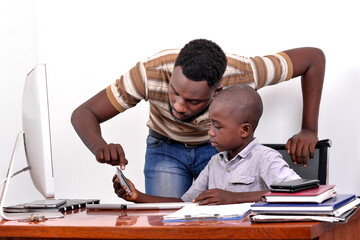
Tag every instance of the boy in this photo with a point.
(243, 169)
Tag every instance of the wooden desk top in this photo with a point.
(148, 225)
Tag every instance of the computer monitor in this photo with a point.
(36, 127)
(35, 135)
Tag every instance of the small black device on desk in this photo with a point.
(295, 185)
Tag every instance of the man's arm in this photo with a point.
(86, 120)
(309, 63)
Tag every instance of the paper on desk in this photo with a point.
(196, 212)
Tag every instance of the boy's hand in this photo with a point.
(215, 197)
(123, 192)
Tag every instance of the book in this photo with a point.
(301, 218)
(209, 212)
(314, 195)
(336, 213)
(325, 207)
(69, 204)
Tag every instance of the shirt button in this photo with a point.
(228, 169)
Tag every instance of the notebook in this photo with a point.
(209, 212)
(317, 195)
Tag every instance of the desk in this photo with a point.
(148, 225)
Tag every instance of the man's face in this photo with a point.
(188, 98)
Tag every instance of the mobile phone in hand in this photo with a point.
(123, 181)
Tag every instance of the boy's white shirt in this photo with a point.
(255, 168)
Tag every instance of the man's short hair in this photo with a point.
(201, 60)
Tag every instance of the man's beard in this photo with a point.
(190, 119)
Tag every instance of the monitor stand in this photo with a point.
(31, 216)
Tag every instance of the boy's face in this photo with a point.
(224, 132)
(188, 98)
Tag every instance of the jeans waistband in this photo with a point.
(157, 135)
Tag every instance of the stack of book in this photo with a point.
(321, 203)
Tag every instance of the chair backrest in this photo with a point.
(317, 168)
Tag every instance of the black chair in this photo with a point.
(317, 168)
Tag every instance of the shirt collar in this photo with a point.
(242, 154)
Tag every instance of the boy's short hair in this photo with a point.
(201, 60)
(244, 101)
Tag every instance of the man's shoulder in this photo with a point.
(162, 58)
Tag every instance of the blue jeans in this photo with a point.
(170, 167)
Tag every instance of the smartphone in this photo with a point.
(45, 203)
(295, 185)
(123, 181)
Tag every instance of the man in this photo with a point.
(179, 87)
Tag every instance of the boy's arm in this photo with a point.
(138, 197)
(219, 196)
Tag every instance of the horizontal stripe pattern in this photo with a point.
(238, 71)
(272, 69)
(149, 80)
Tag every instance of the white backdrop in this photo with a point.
(88, 44)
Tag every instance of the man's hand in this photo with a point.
(123, 192)
(112, 154)
(215, 197)
(300, 145)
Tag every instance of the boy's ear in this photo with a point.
(245, 130)
(217, 90)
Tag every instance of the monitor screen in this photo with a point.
(36, 127)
